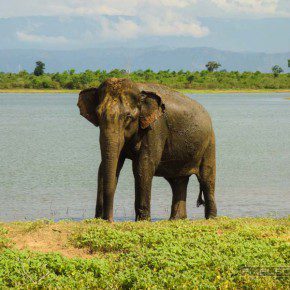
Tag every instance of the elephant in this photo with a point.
(163, 132)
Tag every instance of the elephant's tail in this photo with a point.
(200, 200)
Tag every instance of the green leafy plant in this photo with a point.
(245, 253)
(5, 242)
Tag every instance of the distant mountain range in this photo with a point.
(156, 58)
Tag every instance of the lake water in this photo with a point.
(50, 155)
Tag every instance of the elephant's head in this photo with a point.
(120, 109)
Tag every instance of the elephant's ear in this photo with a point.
(87, 103)
(152, 108)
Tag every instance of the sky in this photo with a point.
(74, 24)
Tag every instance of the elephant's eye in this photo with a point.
(128, 119)
(128, 116)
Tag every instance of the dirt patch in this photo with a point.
(49, 238)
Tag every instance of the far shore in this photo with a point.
(186, 91)
(233, 91)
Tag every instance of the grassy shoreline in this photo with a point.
(207, 254)
(186, 91)
(37, 91)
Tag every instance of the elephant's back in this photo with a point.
(189, 125)
(167, 94)
(176, 102)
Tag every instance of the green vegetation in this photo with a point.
(204, 80)
(4, 241)
(186, 254)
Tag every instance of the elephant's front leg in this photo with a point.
(144, 168)
(100, 194)
(143, 174)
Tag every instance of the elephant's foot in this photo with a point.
(108, 215)
(99, 213)
(109, 220)
(210, 213)
(178, 217)
(210, 216)
(143, 215)
(142, 218)
(178, 210)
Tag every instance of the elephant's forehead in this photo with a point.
(116, 83)
(120, 100)
(109, 105)
(126, 99)
(119, 87)
(115, 87)
(114, 106)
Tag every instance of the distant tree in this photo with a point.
(212, 65)
(190, 78)
(276, 69)
(124, 72)
(39, 69)
(72, 71)
(288, 62)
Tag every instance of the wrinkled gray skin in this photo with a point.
(162, 131)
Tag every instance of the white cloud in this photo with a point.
(168, 3)
(134, 18)
(91, 7)
(148, 17)
(14, 8)
(151, 26)
(121, 29)
(179, 28)
(27, 37)
(172, 24)
(248, 6)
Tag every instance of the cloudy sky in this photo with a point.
(226, 24)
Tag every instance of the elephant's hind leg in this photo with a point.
(179, 192)
(207, 182)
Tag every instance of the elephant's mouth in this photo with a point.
(83, 111)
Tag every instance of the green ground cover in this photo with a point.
(160, 255)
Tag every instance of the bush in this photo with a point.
(195, 80)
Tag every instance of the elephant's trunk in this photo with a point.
(111, 146)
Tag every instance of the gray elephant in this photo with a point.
(162, 131)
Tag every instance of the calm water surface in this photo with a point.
(50, 155)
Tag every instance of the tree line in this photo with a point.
(206, 79)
